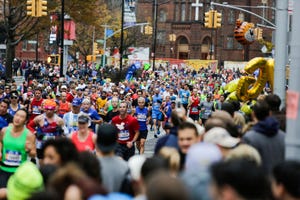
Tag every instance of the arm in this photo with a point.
(1, 141)
(30, 145)
(32, 124)
(136, 135)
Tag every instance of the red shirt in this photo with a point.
(87, 145)
(127, 127)
(70, 97)
(194, 107)
(63, 108)
(34, 108)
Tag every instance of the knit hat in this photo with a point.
(49, 104)
(26, 181)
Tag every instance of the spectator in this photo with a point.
(286, 180)
(113, 169)
(266, 137)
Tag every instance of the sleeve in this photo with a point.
(65, 127)
(96, 116)
(31, 126)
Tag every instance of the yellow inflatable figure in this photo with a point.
(248, 87)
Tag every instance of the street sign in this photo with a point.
(2, 46)
(32, 41)
(68, 42)
(100, 41)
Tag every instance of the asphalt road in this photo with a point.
(150, 143)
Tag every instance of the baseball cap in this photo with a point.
(26, 181)
(221, 137)
(79, 88)
(201, 156)
(83, 118)
(107, 136)
(76, 102)
(64, 87)
(135, 164)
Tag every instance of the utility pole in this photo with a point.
(293, 135)
(281, 46)
(155, 5)
(122, 38)
(62, 31)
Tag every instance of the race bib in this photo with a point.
(124, 135)
(12, 158)
(141, 117)
(48, 137)
(36, 110)
(39, 144)
(194, 109)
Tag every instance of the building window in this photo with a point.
(229, 42)
(239, 46)
(183, 40)
(24, 45)
(220, 41)
(162, 16)
(231, 17)
(32, 47)
(183, 13)
(161, 37)
(177, 12)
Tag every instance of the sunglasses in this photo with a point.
(14, 97)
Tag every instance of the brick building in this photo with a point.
(180, 35)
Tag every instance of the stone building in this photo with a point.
(182, 35)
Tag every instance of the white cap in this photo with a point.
(221, 137)
(64, 87)
(135, 164)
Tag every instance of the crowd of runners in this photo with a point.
(85, 137)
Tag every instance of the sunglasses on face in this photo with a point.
(14, 97)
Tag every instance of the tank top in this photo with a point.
(13, 150)
(13, 112)
(141, 115)
(34, 107)
(63, 108)
(194, 106)
(49, 131)
(87, 145)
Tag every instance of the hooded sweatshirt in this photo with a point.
(268, 140)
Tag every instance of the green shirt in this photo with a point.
(13, 150)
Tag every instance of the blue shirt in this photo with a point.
(94, 116)
(141, 115)
(184, 96)
(156, 102)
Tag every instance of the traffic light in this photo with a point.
(54, 59)
(208, 19)
(95, 48)
(41, 8)
(101, 51)
(30, 8)
(217, 19)
(259, 33)
(148, 30)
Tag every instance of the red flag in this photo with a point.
(69, 33)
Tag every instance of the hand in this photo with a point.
(28, 147)
(129, 144)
